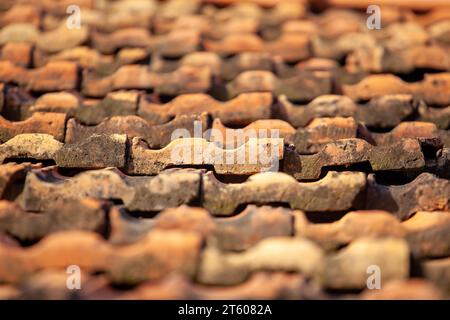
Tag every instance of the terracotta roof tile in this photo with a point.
(279, 187)
(44, 187)
(355, 123)
(426, 192)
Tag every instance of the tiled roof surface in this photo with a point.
(361, 160)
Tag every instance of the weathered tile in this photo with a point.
(432, 88)
(338, 48)
(141, 79)
(30, 146)
(159, 254)
(186, 79)
(304, 86)
(438, 116)
(320, 131)
(260, 128)
(386, 111)
(280, 253)
(21, 13)
(62, 38)
(426, 133)
(48, 285)
(96, 151)
(405, 154)
(347, 269)
(336, 191)
(40, 122)
(246, 61)
(108, 43)
(197, 59)
(260, 285)
(441, 165)
(425, 193)
(428, 234)
(84, 56)
(256, 155)
(438, 271)
(86, 214)
(237, 233)
(49, 41)
(439, 32)
(414, 289)
(11, 172)
(126, 229)
(9, 292)
(20, 54)
(242, 110)
(144, 260)
(251, 226)
(291, 47)
(168, 189)
(52, 77)
(156, 136)
(377, 59)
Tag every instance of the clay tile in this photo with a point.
(338, 48)
(432, 89)
(30, 146)
(242, 110)
(186, 79)
(425, 193)
(157, 136)
(260, 285)
(385, 112)
(237, 233)
(127, 37)
(20, 54)
(241, 160)
(304, 86)
(85, 214)
(398, 61)
(427, 233)
(157, 255)
(52, 77)
(414, 289)
(11, 173)
(278, 253)
(291, 47)
(50, 41)
(129, 264)
(269, 187)
(49, 123)
(354, 225)
(84, 56)
(438, 116)
(436, 270)
(230, 137)
(119, 103)
(62, 38)
(347, 269)
(169, 188)
(251, 226)
(320, 131)
(405, 154)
